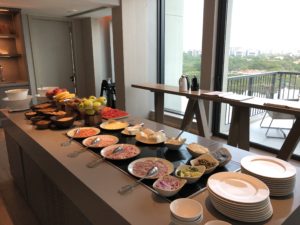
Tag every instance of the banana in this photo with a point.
(61, 95)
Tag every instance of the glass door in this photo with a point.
(262, 58)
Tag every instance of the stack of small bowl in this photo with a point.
(278, 175)
(185, 211)
(17, 99)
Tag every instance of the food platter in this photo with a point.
(114, 125)
(84, 132)
(128, 151)
(132, 130)
(147, 141)
(110, 113)
(105, 140)
(140, 167)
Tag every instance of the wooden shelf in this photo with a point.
(7, 36)
(9, 55)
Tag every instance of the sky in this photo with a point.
(258, 24)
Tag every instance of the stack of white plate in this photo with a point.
(240, 196)
(278, 175)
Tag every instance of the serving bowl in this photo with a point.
(191, 173)
(35, 119)
(42, 124)
(206, 160)
(168, 185)
(30, 114)
(63, 122)
(174, 144)
(186, 209)
(196, 149)
(17, 94)
(16, 105)
(43, 90)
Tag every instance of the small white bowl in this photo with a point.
(174, 144)
(207, 158)
(165, 179)
(190, 180)
(43, 90)
(180, 222)
(217, 222)
(196, 149)
(17, 94)
(186, 209)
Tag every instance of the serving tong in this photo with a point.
(67, 143)
(150, 173)
(76, 153)
(97, 161)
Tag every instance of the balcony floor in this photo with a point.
(258, 134)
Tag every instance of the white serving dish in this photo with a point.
(43, 90)
(17, 94)
(165, 192)
(190, 180)
(174, 144)
(17, 105)
(186, 209)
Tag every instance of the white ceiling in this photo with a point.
(57, 7)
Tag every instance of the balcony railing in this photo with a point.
(274, 85)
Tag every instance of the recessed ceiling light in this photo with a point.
(72, 10)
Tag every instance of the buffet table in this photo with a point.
(239, 127)
(62, 190)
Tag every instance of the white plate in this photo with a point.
(105, 140)
(238, 187)
(267, 166)
(71, 133)
(129, 151)
(114, 125)
(161, 163)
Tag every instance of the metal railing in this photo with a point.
(274, 85)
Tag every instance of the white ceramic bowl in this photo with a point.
(173, 144)
(207, 160)
(196, 149)
(164, 191)
(43, 90)
(217, 222)
(186, 209)
(16, 105)
(190, 179)
(17, 94)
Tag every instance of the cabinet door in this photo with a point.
(16, 163)
(49, 204)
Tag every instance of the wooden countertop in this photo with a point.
(94, 191)
(254, 102)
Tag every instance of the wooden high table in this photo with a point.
(62, 190)
(239, 126)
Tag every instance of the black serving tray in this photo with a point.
(182, 156)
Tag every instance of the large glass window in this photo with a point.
(182, 45)
(262, 58)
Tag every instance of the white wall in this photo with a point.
(139, 46)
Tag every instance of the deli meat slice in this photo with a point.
(141, 168)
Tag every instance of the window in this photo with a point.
(261, 58)
(182, 45)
